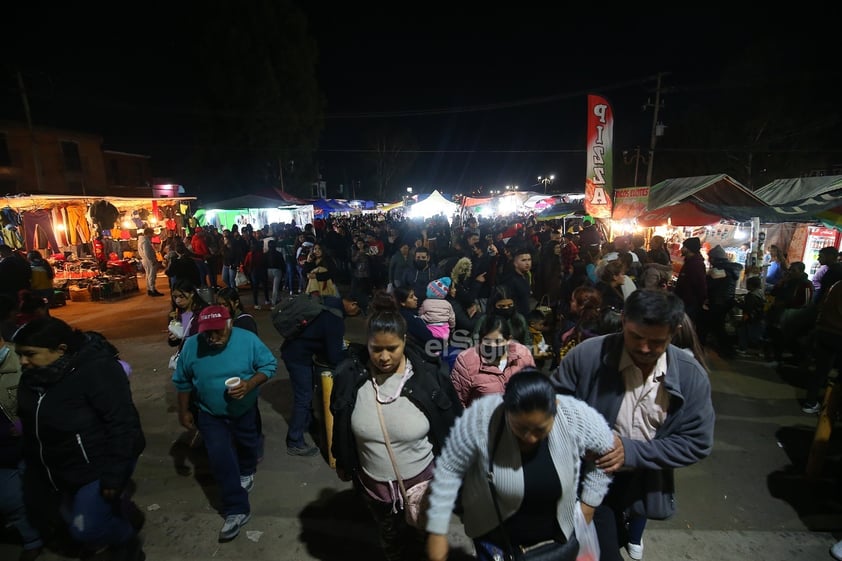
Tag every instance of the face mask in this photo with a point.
(492, 353)
(505, 312)
(420, 265)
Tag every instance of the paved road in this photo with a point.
(747, 501)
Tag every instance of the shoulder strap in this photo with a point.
(389, 445)
(494, 499)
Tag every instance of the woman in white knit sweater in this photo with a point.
(536, 468)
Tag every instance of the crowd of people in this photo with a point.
(568, 368)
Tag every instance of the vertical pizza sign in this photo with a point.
(600, 174)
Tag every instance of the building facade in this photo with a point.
(61, 162)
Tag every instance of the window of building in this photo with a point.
(139, 172)
(72, 160)
(75, 188)
(5, 157)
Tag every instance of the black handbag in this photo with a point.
(544, 551)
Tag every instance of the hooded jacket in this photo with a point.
(81, 425)
(722, 282)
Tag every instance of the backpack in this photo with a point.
(292, 317)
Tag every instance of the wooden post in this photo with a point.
(327, 388)
(827, 416)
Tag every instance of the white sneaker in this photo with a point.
(836, 551)
(635, 550)
(247, 482)
(231, 527)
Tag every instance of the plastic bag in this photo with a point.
(176, 328)
(585, 535)
(241, 279)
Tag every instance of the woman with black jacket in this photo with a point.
(81, 433)
(418, 404)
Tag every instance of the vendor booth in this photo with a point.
(433, 205)
(91, 242)
(253, 210)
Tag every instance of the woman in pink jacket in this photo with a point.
(486, 367)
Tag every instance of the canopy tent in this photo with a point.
(255, 210)
(687, 201)
(540, 202)
(721, 190)
(244, 201)
(781, 191)
(432, 205)
(561, 210)
(476, 201)
(36, 202)
(291, 199)
(340, 206)
(800, 199)
(391, 206)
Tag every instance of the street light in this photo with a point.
(546, 180)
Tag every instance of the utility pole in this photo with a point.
(654, 136)
(35, 156)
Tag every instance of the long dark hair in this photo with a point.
(529, 390)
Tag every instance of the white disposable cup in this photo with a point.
(232, 383)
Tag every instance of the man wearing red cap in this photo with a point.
(221, 369)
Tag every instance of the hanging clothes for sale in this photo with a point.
(9, 216)
(12, 237)
(78, 228)
(60, 226)
(38, 230)
(104, 214)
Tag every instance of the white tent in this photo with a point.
(433, 205)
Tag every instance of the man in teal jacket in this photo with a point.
(222, 368)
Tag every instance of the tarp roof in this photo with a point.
(719, 189)
(782, 191)
(33, 202)
(434, 204)
(246, 201)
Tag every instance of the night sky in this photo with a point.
(490, 96)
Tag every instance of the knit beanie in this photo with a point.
(439, 288)
(693, 244)
(717, 253)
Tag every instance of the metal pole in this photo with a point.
(653, 138)
(636, 163)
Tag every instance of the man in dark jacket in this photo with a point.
(421, 274)
(15, 273)
(691, 286)
(722, 285)
(323, 337)
(657, 399)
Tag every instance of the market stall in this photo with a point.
(91, 242)
(253, 210)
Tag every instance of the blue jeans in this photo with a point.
(275, 276)
(233, 446)
(229, 275)
(12, 508)
(290, 274)
(93, 520)
(301, 378)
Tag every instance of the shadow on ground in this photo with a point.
(338, 527)
(818, 500)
